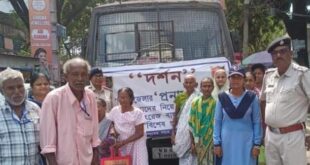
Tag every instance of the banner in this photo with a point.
(40, 33)
(156, 85)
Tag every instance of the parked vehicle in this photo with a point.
(133, 36)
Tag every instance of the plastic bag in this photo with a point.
(116, 160)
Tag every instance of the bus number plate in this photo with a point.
(163, 153)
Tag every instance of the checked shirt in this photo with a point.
(19, 137)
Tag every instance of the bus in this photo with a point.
(139, 34)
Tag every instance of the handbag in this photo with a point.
(116, 160)
(108, 141)
(261, 156)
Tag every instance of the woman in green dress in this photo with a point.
(201, 123)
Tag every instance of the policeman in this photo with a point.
(285, 100)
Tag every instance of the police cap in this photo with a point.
(94, 71)
(282, 41)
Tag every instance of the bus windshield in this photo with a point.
(160, 36)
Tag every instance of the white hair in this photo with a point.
(9, 73)
(68, 63)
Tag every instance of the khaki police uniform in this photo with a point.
(287, 101)
(105, 94)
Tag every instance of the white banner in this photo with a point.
(156, 85)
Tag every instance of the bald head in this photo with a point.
(190, 76)
(190, 83)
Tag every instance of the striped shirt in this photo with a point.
(19, 137)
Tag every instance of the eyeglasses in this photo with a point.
(280, 51)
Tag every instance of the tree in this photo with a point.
(21, 10)
(77, 24)
(295, 19)
(263, 28)
(13, 28)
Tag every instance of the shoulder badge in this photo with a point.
(300, 68)
(270, 70)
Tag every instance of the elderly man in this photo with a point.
(96, 81)
(285, 99)
(19, 122)
(69, 119)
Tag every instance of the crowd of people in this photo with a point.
(234, 116)
(67, 125)
(224, 123)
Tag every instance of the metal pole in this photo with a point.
(159, 37)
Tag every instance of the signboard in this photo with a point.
(156, 85)
(40, 33)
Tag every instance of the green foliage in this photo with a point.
(77, 26)
(263, 28)
(75, 15)
(18, 32)
(21, 44)
(17, 22)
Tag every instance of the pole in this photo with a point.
(245, 44)
(308, 42)
(55, 45)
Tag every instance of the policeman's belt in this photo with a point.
(288, 129)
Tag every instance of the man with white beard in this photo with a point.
(19, 119)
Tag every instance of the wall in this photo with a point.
(25, 64)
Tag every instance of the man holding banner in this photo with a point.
(180, 138)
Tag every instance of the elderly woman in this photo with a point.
(237, 131)
(129, 124)
(220, 82)
(40, 86)
(201, 121)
